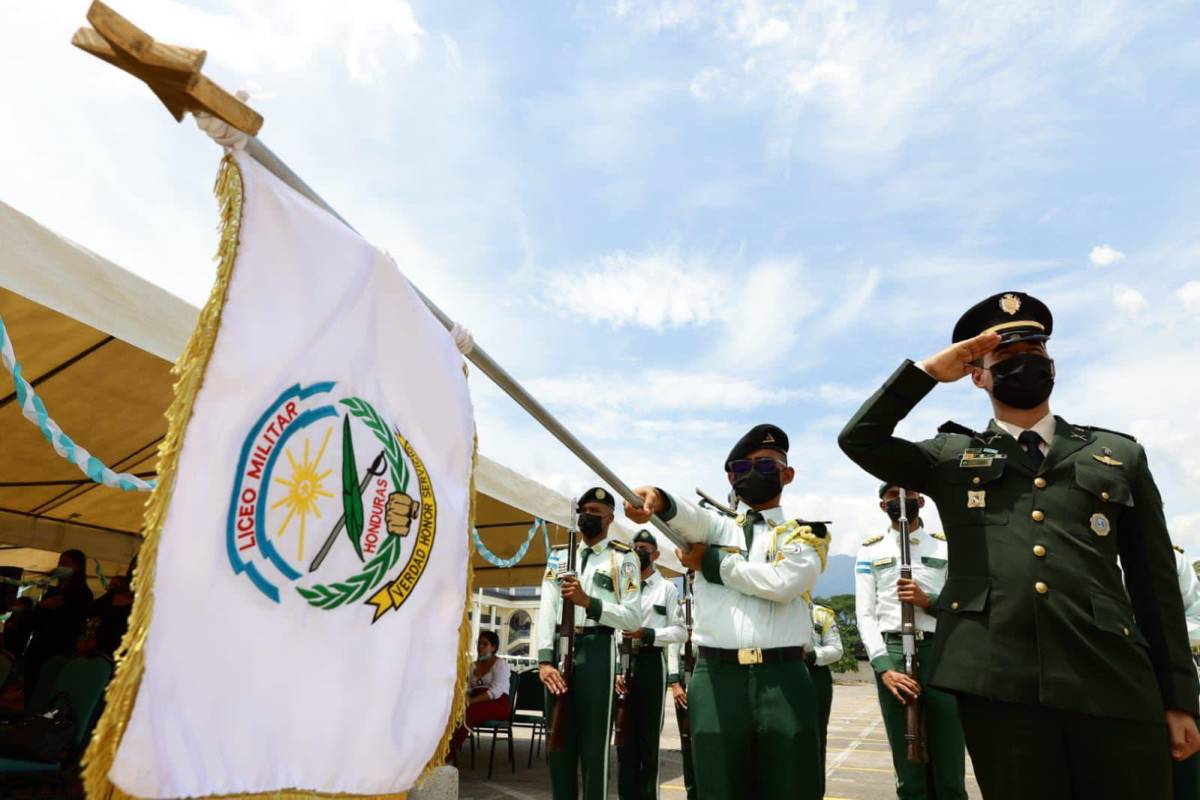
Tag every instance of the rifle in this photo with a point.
(914, 713)
(689, 664)
(621, 724)
(706, 501)
(556, 740)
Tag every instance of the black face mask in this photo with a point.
(755, 488)
(911, 509)
(590, 525)
(644, 558)
(1023, 381)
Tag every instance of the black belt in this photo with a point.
(649, 648)
(922, 636)
(753, 655)
(595, 630)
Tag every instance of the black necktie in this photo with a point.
(587, 553)
(1031, 442)
(748, 527)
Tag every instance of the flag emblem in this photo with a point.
(324, 501)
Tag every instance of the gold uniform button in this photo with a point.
(1125, 631)
(1041, 587)
(1039, 483)
(977, 480)
(1104, 495)
(954, 605)
(1037, 515)
(1039, 551)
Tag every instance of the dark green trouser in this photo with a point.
(638, 759)
(1038, 753)
(1185, 778)
(822, 680)
(689, 774)
(944, 776)
(590, 696)
(754, 731)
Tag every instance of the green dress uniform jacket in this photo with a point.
(1034, 611)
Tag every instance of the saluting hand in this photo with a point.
(955, 361)
(1185, 738)
(910, 592)
(653, 503)
(901, 685)
(552, 679)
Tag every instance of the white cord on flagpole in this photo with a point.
(221, 131)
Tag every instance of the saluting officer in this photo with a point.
(826, 649)
(1064, 677)
(661, 625)
(1186, 774)
(606, 591)
(678, 679)
(878, 593)
(751, 701)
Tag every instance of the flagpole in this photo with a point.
(477, 355)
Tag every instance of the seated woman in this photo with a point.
(487, 692)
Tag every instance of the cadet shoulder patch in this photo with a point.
(872, 540)
(950, 426)
(620, 547)
(941, 537)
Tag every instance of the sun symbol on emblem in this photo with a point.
(304, 489)
(1010, 304)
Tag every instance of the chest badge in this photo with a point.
(1100, 525)
(977, 499)
(1106, 458)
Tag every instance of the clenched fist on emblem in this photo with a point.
(401, 511)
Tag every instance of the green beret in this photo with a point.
(598, 495)
(760, 437)
(646, 536)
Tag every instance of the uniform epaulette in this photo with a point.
(620, 547)
(941, 537)
(1106, 430)
(1178, 549)
(820, 529)
(950, 426)
(872, 540)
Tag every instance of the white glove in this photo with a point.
(221, 131)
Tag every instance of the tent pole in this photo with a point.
(478, 356)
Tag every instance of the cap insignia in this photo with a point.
(1010, 304)
(768, 439)
(600, 494)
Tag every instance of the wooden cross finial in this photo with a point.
(172, 72)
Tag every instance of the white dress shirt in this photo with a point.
(1044, 428)
(1189, 586)
(495, 680)
(826, 640)
(661, 612)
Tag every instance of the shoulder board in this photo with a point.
(822, 611)
(950, 426)
(620, 547)
(941, 537)
(1178, 549)
(1106, 430)
(819, 529)
(872, 540)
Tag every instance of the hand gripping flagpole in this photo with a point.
(173, 74)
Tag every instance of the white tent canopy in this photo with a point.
(87, 331)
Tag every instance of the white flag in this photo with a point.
(301, 591)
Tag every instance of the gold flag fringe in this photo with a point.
(189, 370)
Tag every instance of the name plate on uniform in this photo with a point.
(980, 457)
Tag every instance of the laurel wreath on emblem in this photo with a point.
(334, 595)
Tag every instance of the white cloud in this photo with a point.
(1104, 255)
(709, 84)
(661, 390)
(657, 290)
(1128, 300)
(1189, 295)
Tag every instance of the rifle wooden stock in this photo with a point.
(556, 739)
(689, 664)
(621, 722)
(916, 748)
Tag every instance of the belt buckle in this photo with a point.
(750, 655)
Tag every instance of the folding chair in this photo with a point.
(500, 727)
(530, 710)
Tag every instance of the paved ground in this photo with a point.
(858, 765)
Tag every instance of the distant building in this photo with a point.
(512, 613)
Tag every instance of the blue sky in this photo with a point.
(674, 220)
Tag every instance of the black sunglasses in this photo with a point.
(764, 465)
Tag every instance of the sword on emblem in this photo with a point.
(377, 468)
